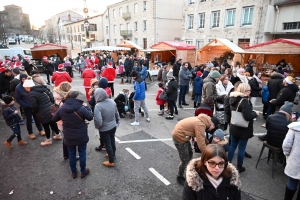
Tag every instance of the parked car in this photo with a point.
(10, 52)
(11, 40)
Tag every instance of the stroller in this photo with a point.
(131, 106)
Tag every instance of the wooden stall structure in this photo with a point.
(216, 48)
(49, 49)
(268, 54)
(134, 47)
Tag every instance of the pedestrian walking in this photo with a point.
(198, 84)
(68, 63)
(184, 80)
(48, 68)
(172, 93)
(144, 74)
(110, 74)
(60, 76)
(87, 75)
(159, 101)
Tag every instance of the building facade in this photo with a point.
(144, 22)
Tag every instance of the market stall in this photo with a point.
(268, 54)
(135, 49)
(217, 49)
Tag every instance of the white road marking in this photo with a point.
(149, 140)
(151, 110)
(117, 139)
(160, 177)
(259, 134)
(133, 153)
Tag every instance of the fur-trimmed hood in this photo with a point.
(276, 75)
(237, 94)
(196, 183)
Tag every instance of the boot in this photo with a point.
(22, 143)
(122, 81)
(198, 104)
(289, 194)
(87, 171)
(108, 164)
(31, 136)
(8, 144)
(195, 106)
(240, 168)
(42, 133)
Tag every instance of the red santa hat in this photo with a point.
(45, 58)
(199, 73)
(60, 66)
(2, 69)
(14, 57)
(109, 63)
(26, 58)
(88, 66)
(18, 64)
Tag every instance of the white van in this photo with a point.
(10, 52)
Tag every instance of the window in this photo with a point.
(79, 38)
(144, 5)
(93, 27)
(82, 27)
(215, 19)
(128, 26)
(247, 16)
(121, 27)
(135, 8)
(190, 21)
(114, 13)
(135, 26)
(127, 9)
(68, 29)
(20, 10)
(145, 43)
(120, 12)
(106, 29)
(191, 2)
(78, 28)
(115, 41)
(75, 38)
(230, 17)
(199, 44)
(201, 20)
(115, 29)
(291, 25)
(74, 29)
(136, 40)
(202, 1)
(144, 25)
(190, 42)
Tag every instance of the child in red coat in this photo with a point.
(159, 101)
(87, 75)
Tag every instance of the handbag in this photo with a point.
(163, 95)
(54, 108)
(237, 118)
(87, 123)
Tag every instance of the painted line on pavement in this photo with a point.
(117, 139)
(151, 110)
(149, 140)
(259, 134)
(160, 177)
(133, 153)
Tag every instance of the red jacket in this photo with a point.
(158, 100)
(59, 77)
(110, 74)
(87, 75)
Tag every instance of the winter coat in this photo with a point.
(275, 84)
(223, 143)
(255, 89)
(158, 100)
(172, 90)
(106, 115)
(28, 67)
(209, 92)
(249, 69)
(184, 76)
(120, 101)
(221, 91)
(41, 101)
(276, 125)
(5, 83)
(13, 85)
(287, 93)
(198, 84)
(164, 77)
(47, 66)
(139, 89)
(58, 96)
(144, 73)
(110, 74)
(10, 117)
(227, 106)
(159, 75)
(136, 68)
(22, 96)
(128, 65)
(205, 74)
(176, 68)
(265, 94)
(75, 129)
(291, 149)
(246, 109)
(192, 127)
(87, 75)
(59, 77)
(198, 187)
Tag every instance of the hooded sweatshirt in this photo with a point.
(192, 127)
(106, 114)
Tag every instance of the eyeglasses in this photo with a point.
(214, 164)
(248, 90)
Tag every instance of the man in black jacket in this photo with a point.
(128, 64)
(5, 78)
(27, 65)
(176, 69)
(13, 85)
(249, 67)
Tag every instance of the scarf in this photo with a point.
(242, 78)
(213, 181)
(258, 80)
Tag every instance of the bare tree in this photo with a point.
(3, 29)
(51, 32)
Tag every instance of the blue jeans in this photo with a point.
(183, 91)
(108, 138)
(16, 132)
(235, 141)
(82, 158)
(292, 184)
(198, 98)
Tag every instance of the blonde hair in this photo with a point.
(242, 88)
(64, 86)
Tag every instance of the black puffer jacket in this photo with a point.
(287, 93)
(227, 106)
(41, 100)
(249, 69)
(246, 108)
(176, 69)
(255, 89)
(13, 85)
(5, 83)
(10, 117)
(120, 102)
(172, 90)
(275, 85)
(277, 129)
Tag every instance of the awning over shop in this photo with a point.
(219, 42)
(129, 44)
(172, 45)
(107, 48)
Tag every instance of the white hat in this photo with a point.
(28, 83)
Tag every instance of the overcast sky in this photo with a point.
(41, 10)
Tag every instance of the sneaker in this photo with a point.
(8, 144)
(74, 175)
(57, 137)
(185, 104)
(31, 136)
(108, 164)
(180, 106)
(254, 119)
(22, 122)
(42, 133)
(22, 143)
(241, 168)
(247, 155)
(135, 124)
(100, 148)
(46, 143)
(161, 112)
(148, 119)
(264, 125)
(170, 117)
(180, 180)
(32, 121)
(87, 171)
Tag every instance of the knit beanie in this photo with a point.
(219, 134)
(215, 121)
(287, 107)
(23, 76)
(210, 65)
(134, 74)
(7, 99)
(28, 82)
(214, 74)
(199, 73)
(103, 83)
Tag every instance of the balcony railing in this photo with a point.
(125, 33)
(126, 15)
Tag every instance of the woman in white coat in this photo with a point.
(223, 88)
(291, 149)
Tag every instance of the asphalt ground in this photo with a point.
(146, 163)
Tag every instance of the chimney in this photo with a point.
(69, 17)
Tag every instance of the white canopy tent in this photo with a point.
(107, 48)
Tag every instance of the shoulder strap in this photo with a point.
(239, 104)
(78, 115)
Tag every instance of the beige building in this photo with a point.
(144, 22)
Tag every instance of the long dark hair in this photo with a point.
(213, 150)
